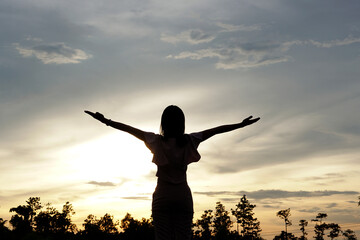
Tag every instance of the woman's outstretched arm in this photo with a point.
(120, 126)
(227, 128)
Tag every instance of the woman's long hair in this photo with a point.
(173, 124)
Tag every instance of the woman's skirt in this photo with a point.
(172, 211)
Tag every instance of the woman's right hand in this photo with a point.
(250, 120)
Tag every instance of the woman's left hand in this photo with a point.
(97, 116)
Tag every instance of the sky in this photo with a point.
(295, 64)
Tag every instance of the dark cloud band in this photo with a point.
(277, 194)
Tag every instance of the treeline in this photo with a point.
(321, 229)
(35, 221)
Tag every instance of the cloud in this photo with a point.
(33, 39)
(102, 184)
(254, 54)
(331, 205)
(233, 199)
(242, 55)
(311, 210)
(278, 194)
(137, 198)
(234, 28)
(197, 36)
(341, 42)
(194, 36)
(271, 206)
(327, 176)
(56, 53)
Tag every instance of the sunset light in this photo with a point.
(109, 159)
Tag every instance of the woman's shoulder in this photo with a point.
(197, 136)
(151, 138)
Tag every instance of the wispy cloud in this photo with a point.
(311, 210)
(194, 36)
(34, 39)
(53, 53)
(234, 28)
(254, 54)
(271, 206)
(328, 176)
(197, 36)
(334, 43)
(137, 198)
(331, 205)
(245, 55)
(102, 184)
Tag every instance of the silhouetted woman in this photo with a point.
(173, 150)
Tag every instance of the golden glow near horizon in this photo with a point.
(110, 158)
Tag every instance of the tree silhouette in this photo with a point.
(35, 205)
(105, 224)
(91, 226)
(349, 234)
(221, 222)
(53, 221)
(23, 220)
(103, 228)
(319, 218)
(319, 230)
(108, 225)
(4, 231)
(335, 230)
(135, 229)
(2, 225)
(285, 214)
(204, 224)
(303, 224)
(45, 220)
(320, 227)
(283, 235)
(245, 217)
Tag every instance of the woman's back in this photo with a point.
(171, 158)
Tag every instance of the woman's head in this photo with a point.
(172, 122)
